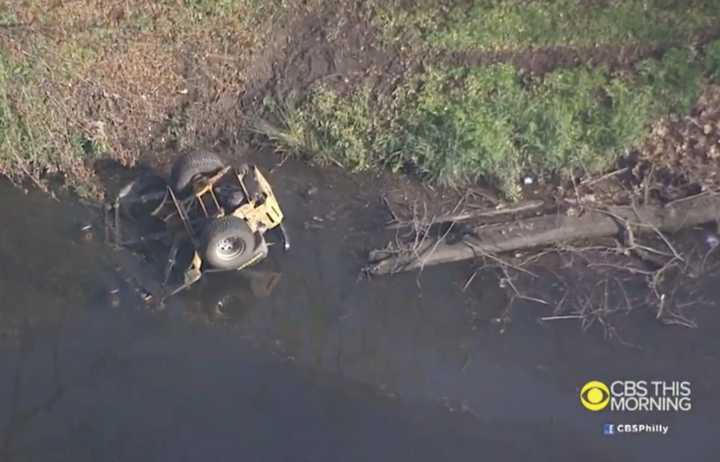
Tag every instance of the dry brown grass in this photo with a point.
(84, 80)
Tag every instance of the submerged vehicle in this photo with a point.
(211, 217)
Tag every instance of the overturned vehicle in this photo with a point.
(209, 217)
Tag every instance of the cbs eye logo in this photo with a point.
(594, 396)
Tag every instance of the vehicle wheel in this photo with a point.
(191, 164)
(228, 243)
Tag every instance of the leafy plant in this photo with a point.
(456, 125)
(712, 60)
(674, 80)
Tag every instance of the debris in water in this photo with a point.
(146, 296)
(87, 233)
(311, 225)
(115, 298)
(311, 191)
(712, 240)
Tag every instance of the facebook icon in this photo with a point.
(608, 429)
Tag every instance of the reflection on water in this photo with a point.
(325, 366)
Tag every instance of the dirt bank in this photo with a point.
(368, 87)
(137, 83)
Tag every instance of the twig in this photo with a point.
(390, 209)
(502, 262)
(435, 246)
(575, 189)
(278, 165)
(646, 185)
(592, 181)
(470, 279)
(510, 282)
(657, 232)
(561, 317)
(694, 197)
(474, 214)
(630, 269)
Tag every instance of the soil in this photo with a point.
(337, 45)
(540, 61)
(199, 102)
(151, 100)
(213, 104)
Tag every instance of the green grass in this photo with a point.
(457, 125)
(80, 81)
(712, 60)
(354, 131)
(454, 126)
(257, 9)
(519, 24)
(674, 80)
(35, 140)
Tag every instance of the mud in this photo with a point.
(542, 60)
(328, 366)
(337, 46)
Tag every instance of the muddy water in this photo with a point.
(327, 367)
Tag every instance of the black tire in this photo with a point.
(191, 164)
(228, 243)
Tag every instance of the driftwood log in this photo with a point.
(547, 230)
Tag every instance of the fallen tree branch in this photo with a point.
(547, 230)
(472, 215)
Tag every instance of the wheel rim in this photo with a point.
(229, 248)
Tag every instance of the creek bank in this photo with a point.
(547, 230)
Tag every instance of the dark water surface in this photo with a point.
(326, 368)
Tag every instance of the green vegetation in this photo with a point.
(497, 122)
(455, 125)
(353, 131)
(520, 24)
(36, 140)
(712, 60)
(111, 80)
